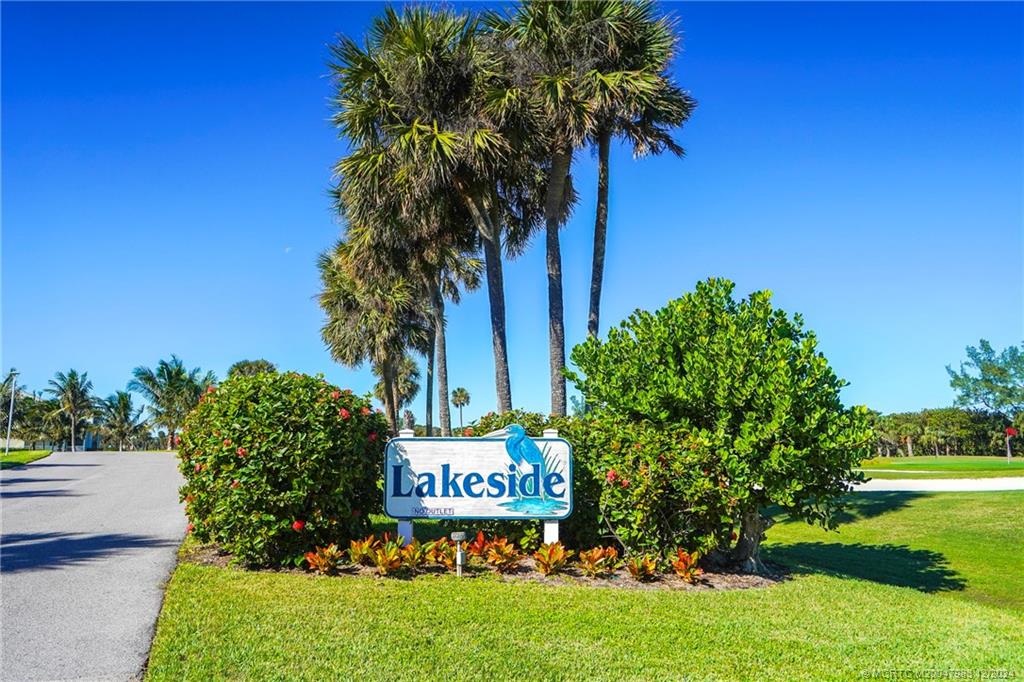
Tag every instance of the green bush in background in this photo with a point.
(276, 464)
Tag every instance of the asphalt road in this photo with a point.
(88, 541)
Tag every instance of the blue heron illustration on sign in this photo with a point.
(530, 462)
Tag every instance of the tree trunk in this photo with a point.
(496, 296)
(395, 407)
(747, 552)
(441, 344)
(910, 446)
(170, 438)
(488, 224)
(73, 423)
(430, 384)
(604, 143)
(390, 407)
(461, 427)
(553, 203)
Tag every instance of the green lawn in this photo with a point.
(942, 467)
(913, 582)
(18, 457)
(958, 545)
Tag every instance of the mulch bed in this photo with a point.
(211, 555)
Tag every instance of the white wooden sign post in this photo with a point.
(550, 527)
(504, 475)
(405, 529)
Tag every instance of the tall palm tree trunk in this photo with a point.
(488, 225)
(496, 297)
(73, 424)
(460, 418)
(604, 140)
(390, 404)
(394, 402)
(441, 346)
(553, 202)
(430, 384)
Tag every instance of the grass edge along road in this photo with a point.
(17, 458)
(929, 466)
(922, 600)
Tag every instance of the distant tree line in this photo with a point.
(941, 431)
(66, 413)
(990, 399)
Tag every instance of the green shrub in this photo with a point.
(276, 464)
(709, 410)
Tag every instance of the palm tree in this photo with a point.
(172, 391)
(639, 102)
(119, 419)
(54, 427)
(557, 40)
(431, 115)
(430, 255)
(369, 319)
(453, 273)
(570, 57)
(37, 419)
(251, 367)
(406, 385)
(460, 398)
(73, 400)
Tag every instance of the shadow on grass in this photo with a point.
(46, 551)
(859, 506)
(897, 565)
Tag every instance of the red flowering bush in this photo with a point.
(272, 468)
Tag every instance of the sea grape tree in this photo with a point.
(712, 409)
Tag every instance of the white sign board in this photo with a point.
(508, 477)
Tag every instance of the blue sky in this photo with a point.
(165, 169)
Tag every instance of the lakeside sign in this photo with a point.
(510, 476)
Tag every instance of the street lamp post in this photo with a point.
(10, 411)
